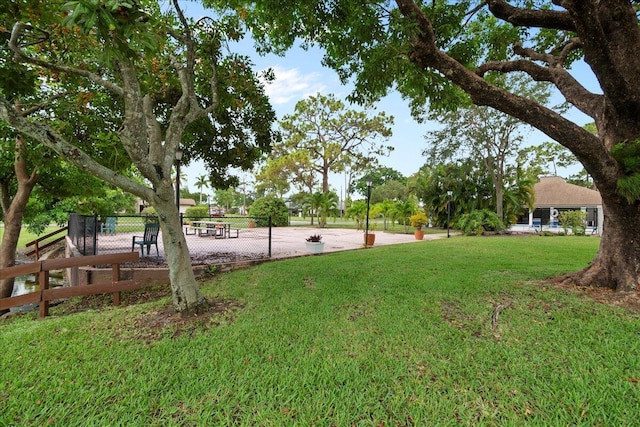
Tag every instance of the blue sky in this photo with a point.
(300, 74)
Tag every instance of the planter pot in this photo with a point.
(252, 224)
(369, 239)
(419, 234)
(315, 247)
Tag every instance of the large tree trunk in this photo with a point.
(617, 264)
(187, 298)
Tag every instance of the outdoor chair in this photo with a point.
(150, 238)
(109, 225)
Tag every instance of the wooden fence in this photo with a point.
(44, 295)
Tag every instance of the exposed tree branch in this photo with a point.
(58, 143)
(18, 30)
(587, 102)
(43, 104)
(496, 313)
(425, 54)
(520, 17)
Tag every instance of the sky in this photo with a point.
(300, 74)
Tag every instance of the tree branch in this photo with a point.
(18, 30)
(43, 104)
(425, 54)
(49, 137)
(587, 102)
(531, 18)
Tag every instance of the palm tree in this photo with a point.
(384, 208)
(403, 211)
(357, 211)
(201, 182)
(329, 204)
(183, 178)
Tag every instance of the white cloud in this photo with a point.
(291, 85)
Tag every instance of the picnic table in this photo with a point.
(217, 229)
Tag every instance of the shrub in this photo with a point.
(195, 212)
(272, 206)
(479, 221)
(418, 220)
(573, 220)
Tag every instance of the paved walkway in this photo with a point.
(290, 241)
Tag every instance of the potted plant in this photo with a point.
(418, 220)
(314, 243)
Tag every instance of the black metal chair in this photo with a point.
(150, 237)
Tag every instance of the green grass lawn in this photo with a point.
(390, 336)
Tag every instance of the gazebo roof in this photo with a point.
(553, 191)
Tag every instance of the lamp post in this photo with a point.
(366, 233)
(178, 158)
(449, 194)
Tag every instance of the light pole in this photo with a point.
(178, 158)
(449, 194)
(366, 233)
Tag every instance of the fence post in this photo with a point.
(269, 236)
(115, 277)
(43, 282)
(95, 234)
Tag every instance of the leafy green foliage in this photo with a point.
(574, 220)
(378, 177)
(358, 212)
(322, 205)
(240, 131)
(121, 25)
(271, 206)
(195, 212)
(471, 189)
(479, 221)
(627, 154)
(149, 214)
(402, 211)
(419, 220)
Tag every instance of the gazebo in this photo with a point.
(554, 195)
